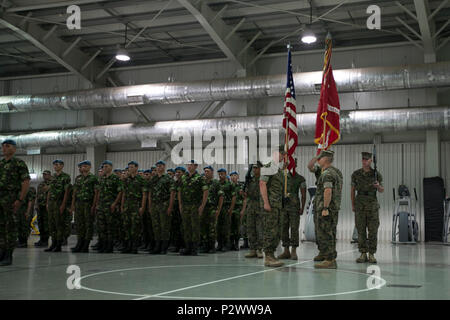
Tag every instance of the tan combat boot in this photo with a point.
(294, 253)
(372, 258)
(362, 258)
(251, 254)
(259, 254)
(326, 264)
(286, 254)
(270, 261)
(319, 257)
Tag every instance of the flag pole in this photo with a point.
(325, 73)
(286, 142)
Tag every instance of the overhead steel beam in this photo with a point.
(222, 34)
(69, 56)
(52, 5)
(427, 29)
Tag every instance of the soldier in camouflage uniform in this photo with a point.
(176, 235)
(365, 206)
(14, 184)
(161, 199)
(42, 213)
(235, 220)
(148, 237)
(327, 203)
(209, 217)
(83, 204)
(171, 172)
(253, 215)
(108, 203)
(224, 218)
(271, 188)
(317, 170)
(24, 216)
(57, 200)
(290, 215)
(134, 200)
(192, 197)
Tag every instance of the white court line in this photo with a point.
(230, 278)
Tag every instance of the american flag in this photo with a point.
(290, 117)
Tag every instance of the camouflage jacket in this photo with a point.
(161, 187)
(275, 185)
(214, 193)
(133, 188)
(12, 173)
(85, 187)
(294, 184)
(191, 188)
(58, 186)
(42, 192)
(253, 191)
(239, 196)
(363, 182)
(108, 188)
(228, 192)
(330, 178)
(30, 196)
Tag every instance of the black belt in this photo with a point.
(367, 193)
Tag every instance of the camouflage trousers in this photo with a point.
(84, 220)
(367, 222)
(23, 224)
(255, 225)
(8, 225)
(290, 221)
(176, 234)
(191, 223)
(132, 220)
(42, 217)
(208, 226)
(235, 225)
(272, 229)
(147, 227)
(106, 222)
(161, 221)
(67, 222)
(243, 229)
(223, 226)
(326, 234)
(57, 222)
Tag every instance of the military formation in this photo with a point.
(161, 210)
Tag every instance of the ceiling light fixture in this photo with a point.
(122, 53)
(308, 35)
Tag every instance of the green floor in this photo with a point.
(403, 272)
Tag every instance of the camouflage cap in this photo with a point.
(208, 167)
(326, 153)
(222, 170)
(170, 170)
(107, 162)
(160, 162)
(366, 155)
(58, 161)
(181, 169)
(133, 163)
(234, 172)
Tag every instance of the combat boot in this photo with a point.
(194, 246)
(7, 259)
(157, 248)
(2, 254)
(52, 246)
(220, 246)
(326, 264)
(109, 248)
(203, 248)
(271, 261)
(164, 246)
(362, 258)
(294, 253)
(85, 247)
(251, 254)
(186, 251)
(101, 246)
(245, 245)
(319, 257)
(236, 245)
(126, 247)
(259, 254)
(22, 243)
(372, 258)
(286, 254)
(57, 247)
(212, 247)
(134, 247)
(79, 245)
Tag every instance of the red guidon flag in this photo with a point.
(327, 123)
(290, 118)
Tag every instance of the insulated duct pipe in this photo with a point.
(306, 83)
(352, 122)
